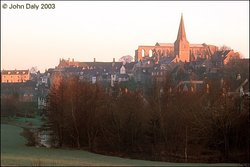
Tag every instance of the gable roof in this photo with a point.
(165, 44)
(196, 45)
(220, 55)
(15, 72)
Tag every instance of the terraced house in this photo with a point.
(15, 76)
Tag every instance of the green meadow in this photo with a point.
(15, 152)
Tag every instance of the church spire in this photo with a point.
(181, 33)
(181, 45)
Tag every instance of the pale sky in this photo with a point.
(104, 30)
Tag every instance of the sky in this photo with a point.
(104, 30)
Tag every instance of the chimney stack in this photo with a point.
(113, 59)
(94, 59)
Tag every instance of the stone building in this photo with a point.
(106, 73)
(181, 50)
(15, 76)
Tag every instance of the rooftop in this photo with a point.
(15, 72)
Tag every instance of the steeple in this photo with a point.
(181, 33)
(181, 45)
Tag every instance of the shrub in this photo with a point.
(30, 136)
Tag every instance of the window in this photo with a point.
(143, 53)
(150, 53)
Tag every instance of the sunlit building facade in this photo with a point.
(15, 76)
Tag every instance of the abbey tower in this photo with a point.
(179, 51)
(181, 45)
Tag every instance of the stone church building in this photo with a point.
(180, 51)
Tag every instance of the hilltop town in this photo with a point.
(189, 65)
(163, 75)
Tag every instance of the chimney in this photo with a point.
(94, 59)
(113, 59)
(72, 59)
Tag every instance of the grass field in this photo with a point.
(22, 122)
(14, 152)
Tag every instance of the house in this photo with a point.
(15, 76)
(106, 73)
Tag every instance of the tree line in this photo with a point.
(168, 125)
